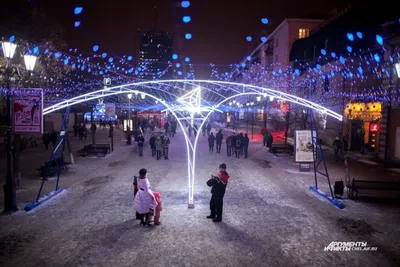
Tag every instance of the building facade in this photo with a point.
(342, 67)
(155, 54)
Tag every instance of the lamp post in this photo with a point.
(10, 200)
(129, 112)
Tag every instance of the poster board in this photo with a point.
(28, 111)
(303, 146)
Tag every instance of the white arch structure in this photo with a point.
(239, 90)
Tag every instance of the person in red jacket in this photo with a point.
(158, 208)
(217, 193)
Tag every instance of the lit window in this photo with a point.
(303, 33)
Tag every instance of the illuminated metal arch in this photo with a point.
(91, 96)
(191, 147)
(260, 90)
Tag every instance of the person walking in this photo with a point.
(152, 142)
(218, 188)
(46, 140)
(165, 145)
(208, 129)
(140, 142)
(337, 147)
(190, 129)
(229, 146)
(211, 140)
(219, 137)
(245, 144)
(33, 141)
(238, 145)
(265, 138)
(158, 145)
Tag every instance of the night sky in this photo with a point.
(219, 27)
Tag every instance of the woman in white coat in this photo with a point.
(144, 199)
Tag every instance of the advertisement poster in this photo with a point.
(28, 111)
(304, 148)
(110, 110)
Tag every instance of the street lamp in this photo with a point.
(10, 200)
(129, 113)
(397, 66)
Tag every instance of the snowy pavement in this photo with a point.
(270, 218)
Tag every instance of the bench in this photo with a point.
(96, 150)
(281, 148)
(353, 189)
(50, 168)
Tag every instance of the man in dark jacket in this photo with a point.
(208, 129)
(140, 142)
(217, 193)
(238, 145)
(211, 140)
(219, 138)
(245, 144)
(229, 145)
(152, 142)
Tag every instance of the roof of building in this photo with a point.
(333, 37)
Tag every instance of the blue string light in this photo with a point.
(185, 4)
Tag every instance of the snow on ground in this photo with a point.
(270, 217)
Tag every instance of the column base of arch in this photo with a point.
(190, 206)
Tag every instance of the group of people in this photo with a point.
(237, 144)
(49, 137)
(79, 130)
(159, 146)
(148, 204)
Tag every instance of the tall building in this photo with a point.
(155, 54)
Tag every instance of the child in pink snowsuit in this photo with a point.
(158, 208)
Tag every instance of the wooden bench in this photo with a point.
(281, 148)
(50, 167)
(96, 150)
(353, 189)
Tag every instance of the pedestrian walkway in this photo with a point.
(269, 218)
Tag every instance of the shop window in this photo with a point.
(303, 33)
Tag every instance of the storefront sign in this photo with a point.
(28, 111)
(374, 127)
(304, 147)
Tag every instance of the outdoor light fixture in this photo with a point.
(230, 103)
(130, 96)
(397, 66)
(143, 96)
(271, 98)
(252, 103)
(258, 98)
(9, 49)
(264, 95)
(30, 62)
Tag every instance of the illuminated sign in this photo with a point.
(374, 127)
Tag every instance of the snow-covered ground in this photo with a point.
(270, 217)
